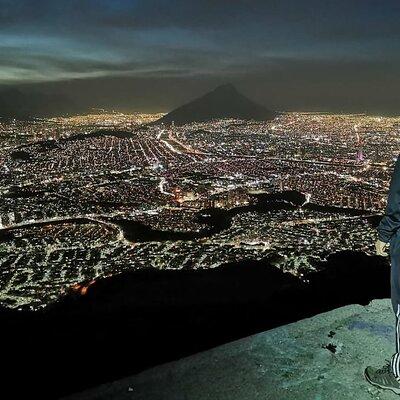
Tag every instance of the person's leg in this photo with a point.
(388, 377)
(395, 297)
(395, 362)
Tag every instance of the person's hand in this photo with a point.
(381, 248)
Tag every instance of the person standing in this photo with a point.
(388, 376)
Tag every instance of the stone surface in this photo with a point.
(319, 358)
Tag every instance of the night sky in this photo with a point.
(153, 55)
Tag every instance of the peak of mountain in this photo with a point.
(225, 101)
(227, 88)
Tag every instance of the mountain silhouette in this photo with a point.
(24, 104)
(223, 102)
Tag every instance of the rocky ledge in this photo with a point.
(318, 358)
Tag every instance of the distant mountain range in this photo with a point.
(24, 104)
(223, 102)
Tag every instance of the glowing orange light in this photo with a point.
(84, 289)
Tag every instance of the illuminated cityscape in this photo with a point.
(195, 199)
(95, 195)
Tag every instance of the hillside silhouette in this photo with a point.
(139, 319)
(223, 102)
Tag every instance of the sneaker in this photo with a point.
(382, 378)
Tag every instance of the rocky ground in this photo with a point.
(319, 358)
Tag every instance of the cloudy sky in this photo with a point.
(154, 54)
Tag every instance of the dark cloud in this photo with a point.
(286, 53)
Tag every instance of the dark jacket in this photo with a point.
(390, 222)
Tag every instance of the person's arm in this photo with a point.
(390, 222)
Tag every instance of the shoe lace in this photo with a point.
(387, 368)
